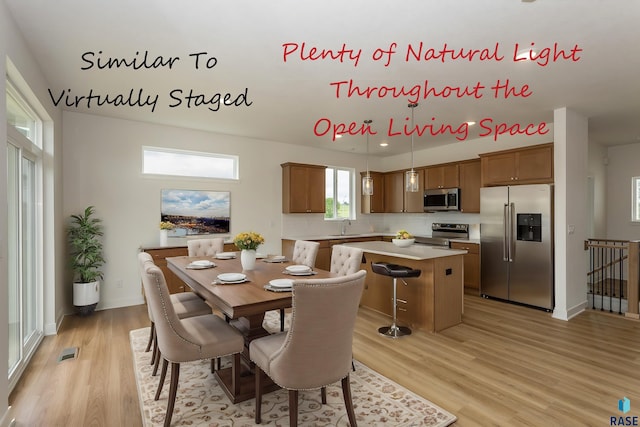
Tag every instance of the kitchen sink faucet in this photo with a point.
(343, 228)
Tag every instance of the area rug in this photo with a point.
(201, 402)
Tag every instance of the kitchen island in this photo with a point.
(431, 302)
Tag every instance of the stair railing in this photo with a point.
(614, 274)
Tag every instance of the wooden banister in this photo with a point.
(633, 280)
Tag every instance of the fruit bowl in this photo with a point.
(403, 243)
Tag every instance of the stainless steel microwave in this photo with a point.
(442, 199)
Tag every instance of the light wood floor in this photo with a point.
(505, 365)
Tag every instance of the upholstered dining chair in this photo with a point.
(185, 304)
(345, 260)
(185, 340)
(304, 253)
(205, 247)
(312, 354)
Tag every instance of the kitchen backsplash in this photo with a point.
(418, 224)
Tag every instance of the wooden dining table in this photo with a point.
(244, 304)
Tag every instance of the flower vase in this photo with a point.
(164, 234)
(248, 259)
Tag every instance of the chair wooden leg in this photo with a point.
(156, 363)
(293, 408)
(154, 355)
(258, 374)
(152, 334)
(281, 319)
(323, 395)
(348, 401)
(163, 375)
(213, 365)
(173, 389)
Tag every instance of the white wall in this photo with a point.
(102, 167)
(597, 171)
(623, 164)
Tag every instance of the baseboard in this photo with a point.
(7, 419)
(570, 313)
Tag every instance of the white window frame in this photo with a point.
(197, 154)
(352, 193)
(635, 199)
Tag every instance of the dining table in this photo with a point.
(243, 304)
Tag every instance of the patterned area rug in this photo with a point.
(201, 402)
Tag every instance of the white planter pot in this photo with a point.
(86, 295)
(164, 237)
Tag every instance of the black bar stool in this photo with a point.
(397, 272)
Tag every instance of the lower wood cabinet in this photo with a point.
(471, 264)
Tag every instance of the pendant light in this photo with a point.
(367, 181)
(411, 176)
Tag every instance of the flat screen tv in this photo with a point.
(195, 212)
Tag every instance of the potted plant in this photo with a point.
(86, 259)
(248, 242)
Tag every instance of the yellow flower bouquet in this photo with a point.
(248, 240)
(166, 225)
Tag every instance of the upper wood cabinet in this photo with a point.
(396, 199)
(528, 165)
(441, 176)
(470, 186)
(374, 203)
(303, 188)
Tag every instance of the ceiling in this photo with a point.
(240, 47)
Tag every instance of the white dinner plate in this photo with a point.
(231, 277)
(225, 255)
(260, 256)
(298, 269)
(201, 263)
(277, 258)
(281, 283)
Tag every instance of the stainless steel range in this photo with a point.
(442, 233)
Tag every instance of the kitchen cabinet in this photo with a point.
(528, 165)
(396, 199)
(303, 188)
(375, 202)
(469, 172)
(471, 261)
(441, 176)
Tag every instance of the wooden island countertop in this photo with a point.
(431, 302)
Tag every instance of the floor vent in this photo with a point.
(68, 353)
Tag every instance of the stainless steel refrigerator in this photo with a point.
(516, 236)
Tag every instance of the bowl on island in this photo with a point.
(403, 243)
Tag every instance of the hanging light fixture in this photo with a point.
(367, 181)
(411, 176)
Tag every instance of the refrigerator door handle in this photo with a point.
(512, 231)
(505, 233)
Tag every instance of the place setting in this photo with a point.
(299, 270)
(279, 285)
(225, 255)
(200, 264)
(275, 258)
(230, 279)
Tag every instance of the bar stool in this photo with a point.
(397, 272)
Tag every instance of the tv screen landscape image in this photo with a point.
(195, 212)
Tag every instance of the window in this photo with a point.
(635, 199)
(164, 161)
(340, 194)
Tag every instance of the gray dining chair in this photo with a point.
(345, 260)
(205, 247)
(312, 354)
(304, 253)
(185, 340)
(185, 304)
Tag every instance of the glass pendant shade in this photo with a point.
(367, 185)
(411, 181)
